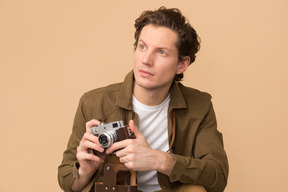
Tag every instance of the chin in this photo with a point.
(143, 84)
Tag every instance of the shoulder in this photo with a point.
(100, 102)
(198, 103)
(103, 91)
(101, 97)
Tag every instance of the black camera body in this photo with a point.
(109, 133)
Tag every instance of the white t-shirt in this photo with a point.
(153, 126)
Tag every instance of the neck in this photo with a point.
(150, 97)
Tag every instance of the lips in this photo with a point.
(145, 73)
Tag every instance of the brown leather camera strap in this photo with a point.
(173, 130)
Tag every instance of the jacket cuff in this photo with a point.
(178, 168)
(75, 170)
(67, 175)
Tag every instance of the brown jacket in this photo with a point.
(197, 148)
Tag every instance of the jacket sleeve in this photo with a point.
(67, 171)
(208, 165)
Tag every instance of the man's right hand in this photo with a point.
(88, 162)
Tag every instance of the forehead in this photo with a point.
(159, 36)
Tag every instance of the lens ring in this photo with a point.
(104, 140)
(107, 139)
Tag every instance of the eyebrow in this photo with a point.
(166, 48)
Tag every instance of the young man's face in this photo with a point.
(156, 58)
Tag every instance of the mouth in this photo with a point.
(145, 73)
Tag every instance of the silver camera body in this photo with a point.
(109, 133)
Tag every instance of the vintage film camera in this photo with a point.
(109, 133)
(116, 176)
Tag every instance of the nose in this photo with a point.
(148, 58)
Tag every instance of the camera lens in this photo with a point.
(103, 140)
(107, 139)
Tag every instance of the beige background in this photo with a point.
(51, 52)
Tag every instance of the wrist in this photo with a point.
(82, 180)
(165, 163)
(84, 173)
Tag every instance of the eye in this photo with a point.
(142, 46)
(161, 52)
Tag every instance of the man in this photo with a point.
(177, 144)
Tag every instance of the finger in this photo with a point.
(91, 123)
(90, 137)
(118, 145)
(122, 160)
(89, 141)
(86, 145)
(88, 156)
(134, 129)
(122, 153)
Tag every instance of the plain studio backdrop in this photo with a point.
(51, 52)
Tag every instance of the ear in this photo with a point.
(183, 64)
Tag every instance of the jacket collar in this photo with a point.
(124, 99)
(177, 100)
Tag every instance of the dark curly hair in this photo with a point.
(188, 43)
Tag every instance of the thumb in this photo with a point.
(134, 129)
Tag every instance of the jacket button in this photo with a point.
(165, 186)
